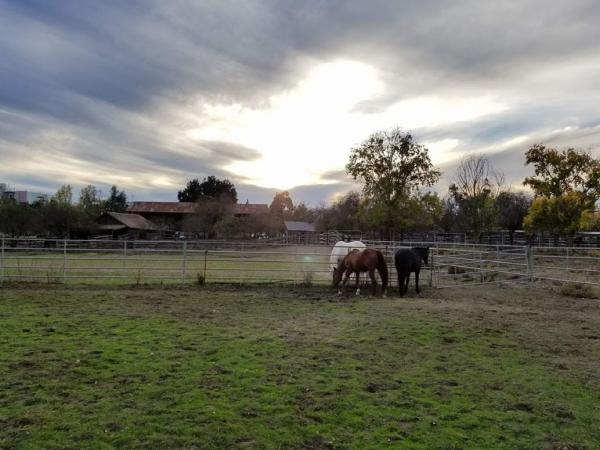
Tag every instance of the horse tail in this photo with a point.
(382, 269)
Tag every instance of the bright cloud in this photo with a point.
(308, 130)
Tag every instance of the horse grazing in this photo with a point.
(357, 261)
(407, 261)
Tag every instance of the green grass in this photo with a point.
(273, 368)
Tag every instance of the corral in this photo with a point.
(141, 262)
(149, 344)
(294, 367)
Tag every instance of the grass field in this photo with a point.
(284, 367)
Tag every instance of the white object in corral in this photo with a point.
(341, 249)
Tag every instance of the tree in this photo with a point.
(555, 215)
(391, 167)
(64, 195)
(282, 205)
(210, 187)
(89, 200)
(116, 201)
(512, 209)
(210, 212)
(302, 213)
(566, 185)
(590, 221)
(343, 214)
(560, 172)
(474, 190)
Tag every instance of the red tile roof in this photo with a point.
(250, 208)
(164, 207)
(192, 208)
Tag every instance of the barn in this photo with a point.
(124, 225)
(300, 232)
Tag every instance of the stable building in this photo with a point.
(127, 226)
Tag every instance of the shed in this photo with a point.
(120, 224)
(300, 232)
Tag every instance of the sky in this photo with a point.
(274, 94)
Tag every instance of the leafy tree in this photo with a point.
(559, 172)
(474, 190)
(116, 201)
(210, 187)
(302, 213)
(343, 214)
(64, 195)
(512, 209)
(202, 224)
(89, 200)
(566, 185)
(448, 218)
(282, 205)
(555, 215)
(590, 221)
(391, 167)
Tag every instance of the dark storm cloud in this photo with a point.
(102, 85)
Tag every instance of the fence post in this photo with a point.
(205, 260)
(124, 258)
(481, 274)
(2, 262)
(498, 265)
(568, 266)
(64, 261)
(184, 262)
(242, 265)
(529, 256)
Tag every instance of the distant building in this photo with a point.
(171, 214)
(22, 197)
(300, 232)
(127, 225)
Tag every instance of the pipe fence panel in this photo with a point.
(135, 262)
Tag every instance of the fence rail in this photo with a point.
(110, 261)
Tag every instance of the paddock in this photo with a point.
(284, 366)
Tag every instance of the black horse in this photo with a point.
(407, 261)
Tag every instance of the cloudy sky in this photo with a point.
(273, 94)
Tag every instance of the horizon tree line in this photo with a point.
(396, 175)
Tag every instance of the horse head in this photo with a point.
(337, 274)
(423, 252)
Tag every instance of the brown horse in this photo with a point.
(358, 261)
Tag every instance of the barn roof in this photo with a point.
(133, 221)
(164, 207)
(250, 208)
(291, 225)
(192, 208)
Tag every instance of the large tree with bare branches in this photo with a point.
(476, 184)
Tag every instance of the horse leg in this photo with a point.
(417, 281)
(373, 281)
(406, 283)
(401, 284)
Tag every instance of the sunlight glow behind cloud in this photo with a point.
(309, 130)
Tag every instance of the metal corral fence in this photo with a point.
(136, 262)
